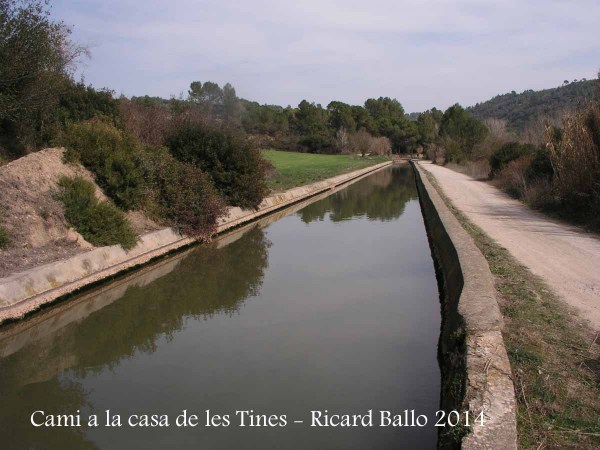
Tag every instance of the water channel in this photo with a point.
(332, 307)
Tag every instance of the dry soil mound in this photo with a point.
(33, 216)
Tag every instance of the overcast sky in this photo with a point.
(423, 52)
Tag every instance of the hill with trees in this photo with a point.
(530, 107)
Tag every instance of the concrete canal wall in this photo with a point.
(24, 292)
(476, 371)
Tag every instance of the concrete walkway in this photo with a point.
(567, 258)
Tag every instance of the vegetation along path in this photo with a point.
(565, 257)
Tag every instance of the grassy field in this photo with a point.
(295, 169)
(555, 364)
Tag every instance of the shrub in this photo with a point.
(454, 152)
(521, 179)
(181, 193)
(381, 146)
(539, 194)
(319, 143)
(234, 164)
(507, 153)
(100, 223)
(575, 156)
(110, 154)
(78, 102)
(436, 153)
(4, 238)
(4, 235)
(360, 142)
(146, 118)
(513, 178)
(541, 166)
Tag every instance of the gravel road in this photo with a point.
(567, 258)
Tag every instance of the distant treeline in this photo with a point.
(140, 148)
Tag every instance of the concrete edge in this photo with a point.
(25, 292)
(47, 321)
(469, 308)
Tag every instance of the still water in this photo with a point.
(332, 307)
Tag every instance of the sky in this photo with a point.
(425, 53)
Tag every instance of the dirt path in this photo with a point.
(565, 257)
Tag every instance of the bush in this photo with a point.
(507, 153)
(513, 178)
(78, 102)
(521, 179)
(319, 143)
(381, 146)
(575, 155)
(100, 223)
(234, 164)
(360, 141)
(147, 119)
(454, 152)
(4, 238)
(110, 154)
(541, 166)
(181, 193)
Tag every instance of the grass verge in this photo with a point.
(296, 169)
(554, 355)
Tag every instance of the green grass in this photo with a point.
(555, 364)
(296, 169)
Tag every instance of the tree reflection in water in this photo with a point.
(208, 281)
(382, 196)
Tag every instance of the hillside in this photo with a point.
(521, 110)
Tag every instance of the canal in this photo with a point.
(332, 307)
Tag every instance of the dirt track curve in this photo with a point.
(567, 258)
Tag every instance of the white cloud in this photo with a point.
(425, 53)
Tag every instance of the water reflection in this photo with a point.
(208, 280)
(305, 322)
(382, 197)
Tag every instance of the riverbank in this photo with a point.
(27, 291)
(554, 361)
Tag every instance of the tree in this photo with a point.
(459, 126)
(361, 141)
(362, 118)
(37, 58)
(209, 96)
(232, 161)
(384, 108)
(340, 116)
(388, 119)
(264, 119)
(428, 124)
(231, 104)
(310, 118)
(341, 139)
